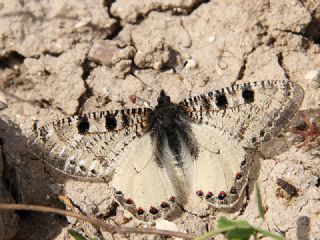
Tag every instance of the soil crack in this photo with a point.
(117, 26)
(87, 68)
(281, 64)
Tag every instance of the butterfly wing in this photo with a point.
(221, 168)
(141, 186)
(228, 124)
(249, 112)
(87, 146)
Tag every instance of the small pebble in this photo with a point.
(71, 220)
(102, 52)
(211, 39)
(82, 22)
(166, 225)
(190, 64)
(313, 75)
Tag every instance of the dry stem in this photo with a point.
(107, 227)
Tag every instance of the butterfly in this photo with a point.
(158, 159)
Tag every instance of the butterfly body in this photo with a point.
(169, 122)
(160, 159)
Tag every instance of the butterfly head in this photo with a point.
(164, 99)
(166, 113)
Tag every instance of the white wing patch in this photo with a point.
(140, 185)
(221, 167)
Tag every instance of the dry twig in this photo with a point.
(107, 227)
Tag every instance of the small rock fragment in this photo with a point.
(313, 75)
(190, 64)
(154, 55)
(303, 227)
(83, 22)
(211, 39)
(122, 68)
(139, 101)
(167, 225)
(123, 54)
(133, 98)
(113, 53)
(102, 52)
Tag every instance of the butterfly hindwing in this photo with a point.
(140, 185)
(221, 168)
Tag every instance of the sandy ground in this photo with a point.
(65, 57)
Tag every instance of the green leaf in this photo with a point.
(224, 222)
(232, 229)
(269, 234)
(259, 202)
(239, 234)
(207, 235)
(76, 235)
(237, 230)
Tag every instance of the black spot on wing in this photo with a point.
(83, 168)
(83, 125)
(43, 132)
(248, 95)
(111, 122)
(69, 120)
(125, 119)
(221, 100)
(195, 99)
(205, 103)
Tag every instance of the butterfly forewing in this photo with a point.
(249, 112)
(88, 145)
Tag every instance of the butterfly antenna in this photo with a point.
(138, 100)
(144, 83)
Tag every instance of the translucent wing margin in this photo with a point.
(87, 146)
(248, 112)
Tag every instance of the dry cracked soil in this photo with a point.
(66, 57)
